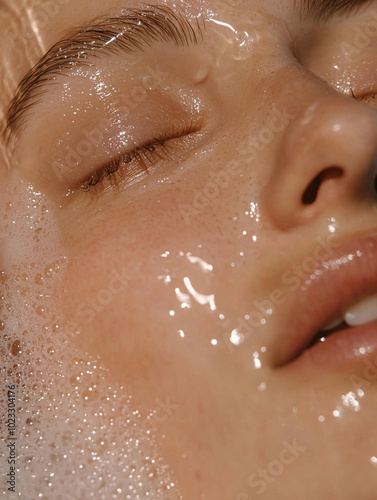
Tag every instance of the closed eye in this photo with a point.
(133, 165)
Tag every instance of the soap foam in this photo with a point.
(77, 437)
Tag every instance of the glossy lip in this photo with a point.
(349, 275)
(348, 345)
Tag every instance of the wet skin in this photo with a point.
(201, 268)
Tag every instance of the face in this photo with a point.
(189, 221)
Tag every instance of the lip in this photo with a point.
(347, 276)
(345, 346)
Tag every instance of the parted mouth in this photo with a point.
(363, 312)
(337, 306)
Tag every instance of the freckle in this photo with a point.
(198, 476)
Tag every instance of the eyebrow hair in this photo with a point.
(323, 10)
(127, 33)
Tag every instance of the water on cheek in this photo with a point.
(77, 437)
(201, 290)
(204, 280)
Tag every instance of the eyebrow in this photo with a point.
(323, 10)
(126, 33)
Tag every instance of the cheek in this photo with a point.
(146, 285)
(120, 287)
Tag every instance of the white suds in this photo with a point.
(77, 438)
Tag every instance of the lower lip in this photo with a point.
(344, 348)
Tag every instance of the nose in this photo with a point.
(326, 159)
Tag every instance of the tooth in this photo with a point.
(363, 312)
(333, 324)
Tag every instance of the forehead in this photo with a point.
(28, 31)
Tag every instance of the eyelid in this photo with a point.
(142, 156)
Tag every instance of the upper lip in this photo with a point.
(348, 275)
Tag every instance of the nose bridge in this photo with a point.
(326, 155)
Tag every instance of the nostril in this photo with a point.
(311, 193)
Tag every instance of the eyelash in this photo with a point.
(143, 157)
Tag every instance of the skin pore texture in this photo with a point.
(184, 207)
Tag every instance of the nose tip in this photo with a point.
(327, 162)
